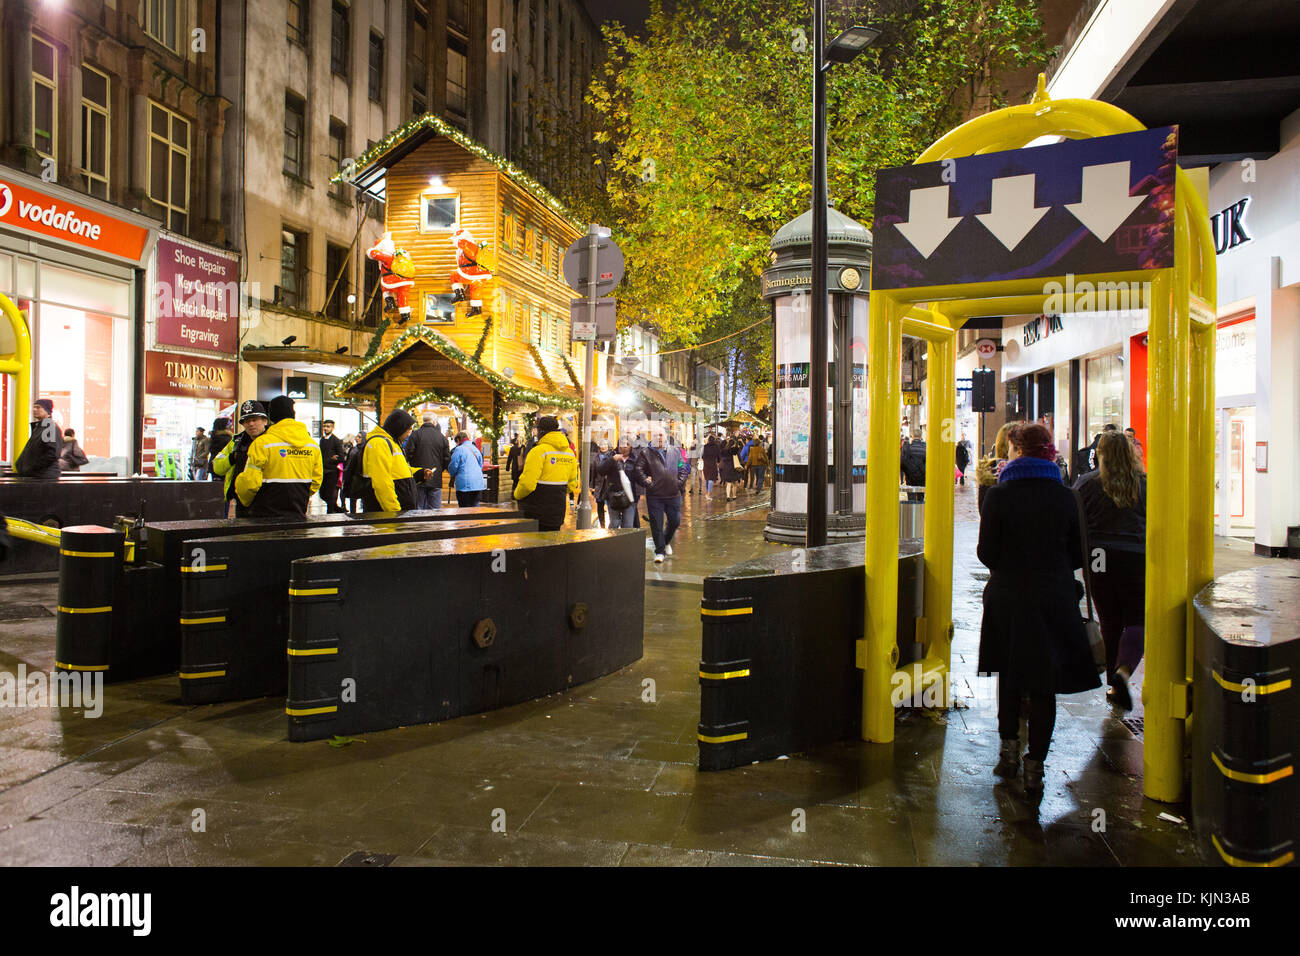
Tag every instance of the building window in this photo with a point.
(45, 97)
(457, 61)
(439, 309)
(337, 277)
(295, 130)
(160, 22)
(94, 131)
(505, 324)
(458, 16)
(439, 213)
(338, 150)
(530, 242)
(297, 20)
(419, 61)
(372, 300)
(340, 34)
(293, 268)
(169, 165)
(376, 68)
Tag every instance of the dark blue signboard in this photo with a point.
(1074, 208)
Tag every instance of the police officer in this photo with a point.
(284, 466)
(550, 472)
(230, 461)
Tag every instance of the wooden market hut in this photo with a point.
(513, 361)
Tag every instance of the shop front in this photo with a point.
(74, 267)
(307, 376)
(190, 367)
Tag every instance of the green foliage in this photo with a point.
(707, 122)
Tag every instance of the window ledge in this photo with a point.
(294, 177)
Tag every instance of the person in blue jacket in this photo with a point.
(466, 472)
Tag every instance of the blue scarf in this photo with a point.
(1030, 468)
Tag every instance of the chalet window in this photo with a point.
(340, 36)
(439, 213)
(94, 131)
(295, 134)
(439, 309)
(509, 232)
(504, 326)
(45, 97)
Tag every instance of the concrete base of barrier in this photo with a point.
(778, 670)
(235, 601)
(1246, 724)
(417, 633)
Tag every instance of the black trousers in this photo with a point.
(329, 491)
(1120, 596)
(1042, 717)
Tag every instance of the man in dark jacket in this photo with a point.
(963, 458)
(664, 475)
(331, 453)
(913, 466)
(428, 448)
(221, 436)
(40, 456)
(1085, 459)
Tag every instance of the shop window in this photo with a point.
(297, 20)
(457, 62)
(338, 276)
(293, 269)
(295, 129)
(169, 165)
(439, 213)
(160, 22)
(439, 309)
(94, 131)
(338, 150)
(376, 73)
(340, 33)
(45, 98)
(1104, 393)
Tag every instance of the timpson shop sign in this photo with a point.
(190, 376)
(33, 211)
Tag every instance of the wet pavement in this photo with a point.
(602, 775)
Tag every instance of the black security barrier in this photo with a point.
(778, 670)
(415, 633)
(235, 599)
(89, 559)
(97, 500)
(156, 628)
(1246, 724)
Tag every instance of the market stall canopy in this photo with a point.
(662, 400)
(743, 418)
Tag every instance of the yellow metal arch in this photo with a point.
(18, 363)
(1180, 448)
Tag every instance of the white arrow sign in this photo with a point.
(928, 223)
(1104, 200)
(1012, 213)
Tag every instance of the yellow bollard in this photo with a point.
(940, 500)
(18, 364)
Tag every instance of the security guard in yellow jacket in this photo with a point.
(550, 472)
(392, 479)
(284, 467)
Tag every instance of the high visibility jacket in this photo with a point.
(385, 465)
(230, 461)
(283, 471)
(550, 470)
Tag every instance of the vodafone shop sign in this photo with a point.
(33, 211)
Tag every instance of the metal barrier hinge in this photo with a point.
(1180, 700)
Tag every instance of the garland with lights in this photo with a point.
(376, 339)
(429, 121)
(536, 353)
(482, 342)
(488, 429)
(503, 386)
(573, 376)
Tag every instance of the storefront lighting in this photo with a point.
(626, 398)
(435, 182)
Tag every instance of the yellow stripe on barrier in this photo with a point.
(1241, 777)
(1272, 688)
(59, 665)
(204, 620)
(310, 592)
(724, 675)
(723, 740)
(202, 568)
(311, 651)
(85, 610)
(725, 611)
(86, 554)
(1231, 860)
(308, 711)
(195, 675)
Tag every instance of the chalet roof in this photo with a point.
(370, 169)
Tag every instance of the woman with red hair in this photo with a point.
(1032, 633)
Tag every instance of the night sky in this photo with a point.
(632, 13)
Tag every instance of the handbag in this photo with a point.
(1090, 626)
(735, 463)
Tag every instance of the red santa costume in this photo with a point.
(468, 272)
(396, 275)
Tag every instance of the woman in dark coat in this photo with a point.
(710, 454)
(1032, 633)
(731, 476)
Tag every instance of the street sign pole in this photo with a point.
(584, 453)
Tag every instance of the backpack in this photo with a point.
(355, 482)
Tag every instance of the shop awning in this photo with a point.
(300, 359)
(662, 400)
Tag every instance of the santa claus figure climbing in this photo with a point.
(396, 276)
(469, 272)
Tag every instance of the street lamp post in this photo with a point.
(842, 50)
